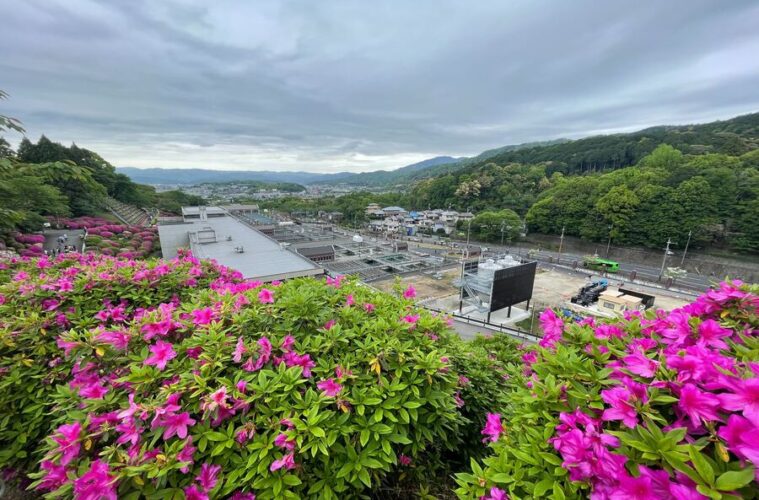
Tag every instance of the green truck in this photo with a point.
(600, 264)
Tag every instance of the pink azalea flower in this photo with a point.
(239, 495)
(411, 318)
(176, 425)
(287, 343)
(304, 361)
(218, 398)
(608, 331)
(404, 460)
(96, 484)
(529, 357)
(67, 437)
(129, 432)
(193, 493)
(282, 441)
(697, 404)
(369, 308)
(634, 488)
(496, 494)
(186, 455)
(208, 477)
(711, 333)
(409, 293)
(640, 364)
(193, 352)
(266, 296)
(329, 324)
(457, 399)
(742, 438)
(743, 395)
(163, 352)
(241, 385)
(55, 477)
(203, 316)
(329, 387)
(239, 350)
(119, 340)
(493, 427)
(622, 408)
(244, 434)
(93, 389)
(660, 481)
(349, 300)
(66, 346)
(288, 462)
(552, 326)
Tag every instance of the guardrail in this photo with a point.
(490, 326)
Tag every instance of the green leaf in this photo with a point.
(364, 477)
(733, 480)
(558, 493)
(701, 464)
(543, 486)
(216, 436)
(291, 480)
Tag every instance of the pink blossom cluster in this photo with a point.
(686, 367)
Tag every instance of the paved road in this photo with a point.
(643, 273)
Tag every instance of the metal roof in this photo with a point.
(221, 239)
(196, 210)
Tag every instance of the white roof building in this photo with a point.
(234, 244)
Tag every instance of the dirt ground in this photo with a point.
(426, 286)
(552, 288)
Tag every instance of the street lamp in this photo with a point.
(664, 260)
(682, 261)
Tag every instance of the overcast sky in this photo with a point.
(329, 86)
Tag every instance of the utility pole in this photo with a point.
(682, 261)
(561, 243)
(664, 260)
(608, 243)
(464, 255)
(503, 227)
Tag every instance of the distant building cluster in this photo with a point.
(399, 220)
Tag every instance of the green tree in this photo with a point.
(85, 195)
(31, 198)
(618, 208)
(488, 226)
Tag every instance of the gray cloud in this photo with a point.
(333, 85)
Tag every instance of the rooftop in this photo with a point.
(196, 210)
(235, 245)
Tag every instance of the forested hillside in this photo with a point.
(49, 179)
(667, 194)
(732, 137)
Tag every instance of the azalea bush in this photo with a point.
(653, 406)
(42, 299)
(304, 388)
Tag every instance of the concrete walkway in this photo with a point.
(76, 238)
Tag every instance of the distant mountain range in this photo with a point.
(734, 136)
(200, 176)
